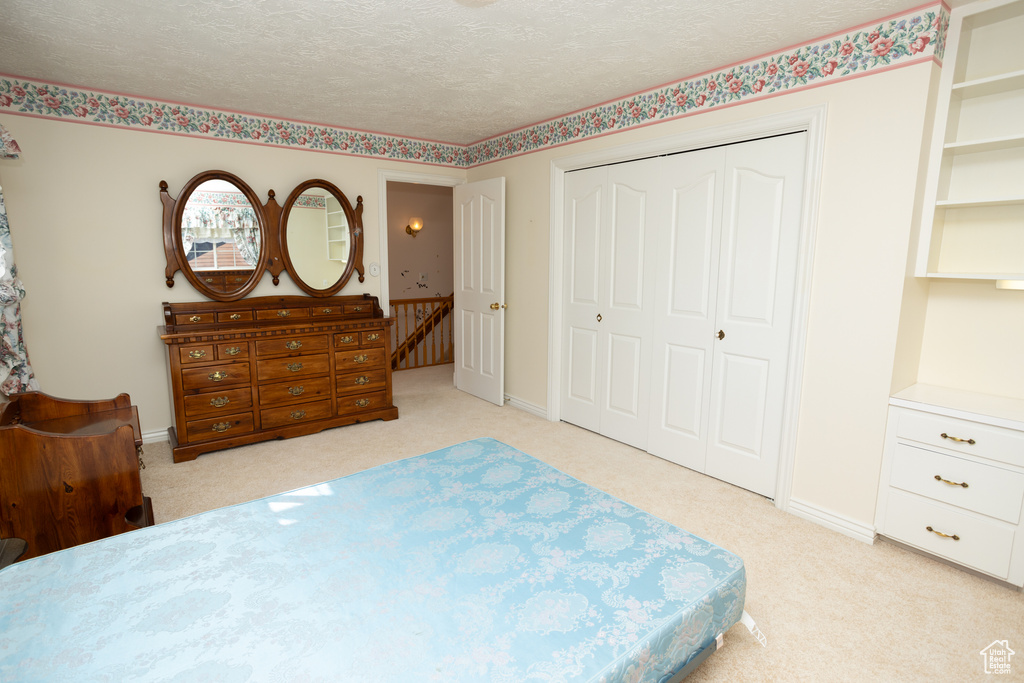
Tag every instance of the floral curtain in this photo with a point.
(225, 224)
(15, 371)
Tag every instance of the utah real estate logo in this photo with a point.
(997, 657)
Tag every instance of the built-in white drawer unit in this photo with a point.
(952, 481)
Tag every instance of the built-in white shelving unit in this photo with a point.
(973, 219)
(337, 231)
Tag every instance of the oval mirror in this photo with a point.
(319, 237)
(220, 235)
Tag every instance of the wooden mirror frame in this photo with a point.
(354, 217)
(174, 249)
(273, 245)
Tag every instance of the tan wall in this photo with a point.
(85, 213)
(430, 252)
(874, 134)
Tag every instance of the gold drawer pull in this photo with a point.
(362, 402)
(293, 345)
(951, 483)
(327, 311)
(362, 379)
(195, 318)
(939, 533)
(298, 414)
(197, 354)
(944, 435)
(294, 367)
(361, 358)
(347, 339)
(209, 279)
(296, 391)
(283, 314)
(222, 426)
(217, 376)
(372, 337)
(220, 401)
(236, 316)
(233, 350)
(357, 308)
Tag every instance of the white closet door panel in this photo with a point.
(761, 224)
(685, 264)
(627, 247)
(582, 373)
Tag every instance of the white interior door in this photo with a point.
(757, 278)
(479, 315)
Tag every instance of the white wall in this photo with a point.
(430, 252)
(83, 203)
(874, 140)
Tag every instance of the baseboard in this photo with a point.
(526, 406)
(831, 520)
(154, 437)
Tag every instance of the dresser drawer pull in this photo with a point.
(236, 316)
(347, 339)
(294, 367)
(357, 308)
(372, 337)
(220, 401)
(296, 391)
(939, 533)
(327, 311)
(362, 379)
(298, 414)
(951, 483)
(361, 358)
(944, 435)
(293, 345)
(195, 318)
(217, 376)
(197, 354)
(362, 402)
(222, 426)
(233, 350)
(209, 279)
(283, 314)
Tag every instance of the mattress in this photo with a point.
(473, 563)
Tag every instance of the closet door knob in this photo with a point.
(598, 317)
(721, 334)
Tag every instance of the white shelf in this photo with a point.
(989, 145)
(978, 203)
(992, 85)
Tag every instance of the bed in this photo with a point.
(476, 562)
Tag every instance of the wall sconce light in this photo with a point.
(415, 225)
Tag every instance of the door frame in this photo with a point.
(384, 176)
(810, 119)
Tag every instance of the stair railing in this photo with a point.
(422, 332)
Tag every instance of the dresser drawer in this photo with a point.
(283, 314)
(232, 350)
(218, 402)
(285, 393)
(984, 544)
(194, 318)
(964, 436)
(319, 311)
(214, 376)
(196, 353)
(989, 490)
(357, 359)
(359, 310)
(274, 347)
(346, 340)
(361, 403)
(234, 316)
(362, 382)
(372, 338)
(220, 427)
(289, 415)
(295, 366)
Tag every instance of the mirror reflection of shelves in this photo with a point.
(973, 219)
(337, 231)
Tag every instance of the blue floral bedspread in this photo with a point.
(473, 563)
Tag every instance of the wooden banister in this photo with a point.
(412, 345)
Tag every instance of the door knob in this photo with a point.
(495, 306)
(721, 334)
(598, 317)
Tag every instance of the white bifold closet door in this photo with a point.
(712, 311)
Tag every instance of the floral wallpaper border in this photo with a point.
(909, 38)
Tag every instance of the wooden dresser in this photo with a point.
(952, 479)
(274, 367)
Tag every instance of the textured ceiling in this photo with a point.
(455, 71)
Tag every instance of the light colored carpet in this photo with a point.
(832, 608)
